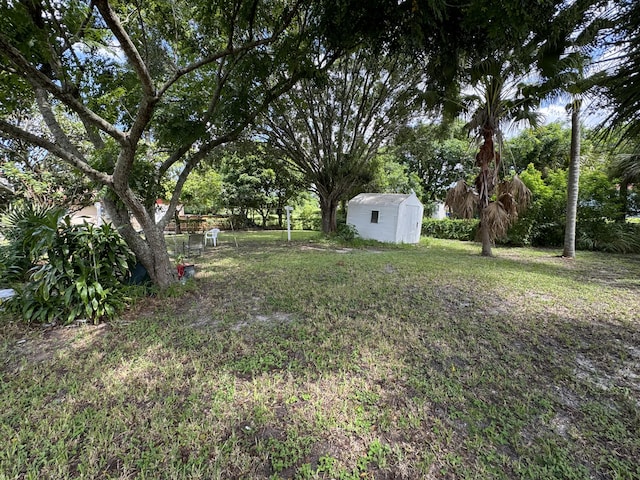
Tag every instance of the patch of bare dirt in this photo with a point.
(44, 344)
(626, 375)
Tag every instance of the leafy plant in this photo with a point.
(27, 227)
(599, 210)
(80, 274)
(608, 236)
(346, 232)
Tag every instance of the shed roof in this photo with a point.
(379, 198)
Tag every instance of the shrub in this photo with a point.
(608, 236)
(28, 228)
(451, 229)
(80, 274)
(542, 224)
(346, 232)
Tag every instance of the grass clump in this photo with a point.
(307, 360)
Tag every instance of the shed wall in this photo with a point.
(409, 223)
(384, 231)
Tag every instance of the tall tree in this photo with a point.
(153, 84)
(497, 102)
(569, 249)
(332, 127)
(202, 192)
(563, 65)
(546, 147)
(256, 177)
(551, 48)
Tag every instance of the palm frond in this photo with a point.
(462, 200)
(497, 220)
(626, 167)
(519, 192)
(509, 204)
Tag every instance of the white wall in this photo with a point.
(439, 212)
(383, 231)
(399, 220)
(410, 224)
(87, 214)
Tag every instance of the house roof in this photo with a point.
(379, 199)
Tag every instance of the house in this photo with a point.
(439, 211)
(6, 191)
(93, 214)
(386, 217)
(5, 186)
(97, 215)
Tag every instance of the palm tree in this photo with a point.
(622, 87)
(565, 74)
(573, 181)
(491, 109)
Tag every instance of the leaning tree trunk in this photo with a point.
(150, 251)
(573, 183)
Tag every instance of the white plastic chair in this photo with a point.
(211, 235)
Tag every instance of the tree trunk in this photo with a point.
(156, 259)
(150, 251)
(573, 184)
(624, 201)
(328, 209)
(279, 213)
(485, 183)
(485, 235)
(176, 218)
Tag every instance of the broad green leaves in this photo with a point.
(79, 272)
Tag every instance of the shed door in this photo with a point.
(413, 224)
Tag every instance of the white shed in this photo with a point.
(386, 217)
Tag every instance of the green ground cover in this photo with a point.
(313, 360)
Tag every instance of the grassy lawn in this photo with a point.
(310, 360)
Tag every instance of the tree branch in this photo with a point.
(15, 132)
(129, 49)
(38, 79)
(52, 123)
(230, 50)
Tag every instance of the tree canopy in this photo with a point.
(438, 155)
(153, 85)
(332, 127)
(256, 177)
(124, 93)
(622, 85)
